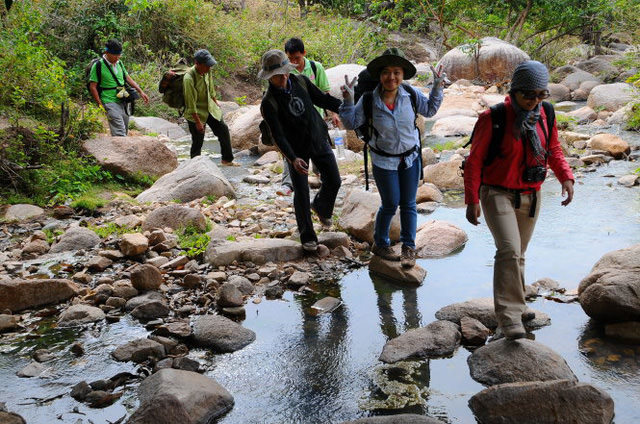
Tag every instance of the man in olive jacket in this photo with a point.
(301, 134)
(201, 107)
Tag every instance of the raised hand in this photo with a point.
(347, 89)
(439, 77)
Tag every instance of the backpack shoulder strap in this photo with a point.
(551, 119)
(414, 105)
(498, 119)
(314, 68)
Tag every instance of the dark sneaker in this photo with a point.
(528, 315)
(514, 332)
(310, 246)
(408, 257)
(385, 252)
(325, 222)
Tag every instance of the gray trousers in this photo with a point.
(511, 229)
(118, 119)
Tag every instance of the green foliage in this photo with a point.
(52, 234)
(448, 145)
(565, 122)
(192, 241)
(88, 202)
(633, 122)
(109, 229)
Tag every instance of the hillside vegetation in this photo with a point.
(45, 46)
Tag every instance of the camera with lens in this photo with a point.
(534, 174)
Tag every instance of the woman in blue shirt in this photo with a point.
(394, 145)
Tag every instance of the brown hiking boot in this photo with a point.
(385, 252)
(514, 331)
(408, 257)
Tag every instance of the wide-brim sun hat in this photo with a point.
(275, 62)
(391, 57)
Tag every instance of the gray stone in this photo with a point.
(333, 239)
(143, 299)
(80, 314)
(9, 323)
(397, 419)
(11, 418)
(258, 251)
(186, 364)
(76, 238)
(133, 244)
(393, 270)
(359, 213)
(98, 263)
(80, 391)
(193, 179)
(299, 279)
(438, 238)
(139, 350)
(229, 296)
(473, 331)
(559, 401)
(146, 277)
(611, 97)
(221, 334)
(152, 124)
(611, 291)
(132, 155)
(16, 295)
(34, 369)
(445, 175)
(510, 361)
(202, 398)
(242, 283)
(174, 216)
(161, 409)
(326, 305)
(629, 180)
(436, 340)
(151, 310)
(22, 211)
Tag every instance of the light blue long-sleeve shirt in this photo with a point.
(396, 131)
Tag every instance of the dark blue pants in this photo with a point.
(220, 130)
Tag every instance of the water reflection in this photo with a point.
(388, 323)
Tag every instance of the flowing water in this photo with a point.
(307, 368)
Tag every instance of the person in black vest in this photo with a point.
(301, 134)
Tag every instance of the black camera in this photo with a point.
(534, 174)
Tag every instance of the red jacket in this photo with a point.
(507, 168)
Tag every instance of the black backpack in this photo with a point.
(133, 94)
(366, 130)
(498, 121)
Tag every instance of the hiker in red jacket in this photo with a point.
(507, 186)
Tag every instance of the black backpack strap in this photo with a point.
(113, 74)
(314, 68)
(98, 66)
(551, 119)
(498, 119)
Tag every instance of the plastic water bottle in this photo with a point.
(338, 140)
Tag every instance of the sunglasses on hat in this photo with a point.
(532, 95)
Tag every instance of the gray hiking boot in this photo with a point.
(385, 252)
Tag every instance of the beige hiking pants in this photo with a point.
(511, 229)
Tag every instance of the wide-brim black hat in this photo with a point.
(391, 57)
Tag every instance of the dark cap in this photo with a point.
(203, 57)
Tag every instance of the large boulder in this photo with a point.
(258, 251)
(396, 419)
(438, 339)
(507, 361)
(601, 67)
(573, 80)
(559, 92)
(162, 409)
(495, 61)
(559, 401)
(611, 291)
(445, 175)
(80, 314)
(202, 398)
(336, 75)
(438, 238)
(22, 211)
(394, 271)
(611, 97)
(359, 214)
(132, 156)
(152, 124)
(16, 295)
(221, 334)
(76, 238)
(610, 143)
(456, 125)
(244, 126)
(174, 216)
(194, 178)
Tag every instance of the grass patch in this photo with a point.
(110, 229)
(192, 241)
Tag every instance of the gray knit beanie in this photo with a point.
(530, 75)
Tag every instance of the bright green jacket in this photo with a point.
(320, 80)
(199, 93)
(107, 81)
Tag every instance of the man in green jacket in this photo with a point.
(107, 90)
(201, 107)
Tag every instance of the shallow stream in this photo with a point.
(304, 368)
